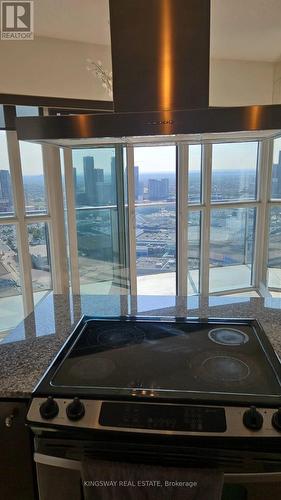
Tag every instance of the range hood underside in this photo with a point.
(161, 140)
(189, 125)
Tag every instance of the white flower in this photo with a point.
(97, 69)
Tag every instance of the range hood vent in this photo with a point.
(160, 54)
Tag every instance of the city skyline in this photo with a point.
(97, 188)
(228, 157)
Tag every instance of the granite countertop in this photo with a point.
(29, 349)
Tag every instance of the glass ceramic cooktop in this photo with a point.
(151, 358)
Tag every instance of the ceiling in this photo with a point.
(240, 29)
(246, 29)
(77, 20)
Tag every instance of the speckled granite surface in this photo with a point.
(27, 352)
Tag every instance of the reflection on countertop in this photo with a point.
(28, 350)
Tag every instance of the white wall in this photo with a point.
(277, 83)
(235, 83)
(51, 67)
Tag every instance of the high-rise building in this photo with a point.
(88, 167)
(6, 198)
(75, 180)
(137, 182)
(98, 175)
(92, 177)
(158, 189)
(112, 196)
(276, 178)
(164, 188)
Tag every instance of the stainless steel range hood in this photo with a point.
(160, 61)
(160, 54)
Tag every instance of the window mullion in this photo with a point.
(8, 220)
(34, 219)
(206, 219)
(71, 221)
(22, 237)
(182, 214)
(262, 223)
(131, 220)
(120, 272)
(52, 173)
(234, 291)
(235, 204)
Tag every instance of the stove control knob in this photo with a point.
(75, 410)
(253, 419)
(276, 420)
(49, 409)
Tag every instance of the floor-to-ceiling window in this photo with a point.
(26, 226)
(204, 201)
(155, 213)
(274, 220)
(233, 215)
(99, 197)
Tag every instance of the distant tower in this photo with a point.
(276, 178)
(89, 179)
(94, 179)
(113, 179)
(6, 198)
(158, 190)
(75, 180)
(137, 182)
(164, 188)
(98, 175)
(154, 189)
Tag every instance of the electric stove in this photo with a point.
(163, 375)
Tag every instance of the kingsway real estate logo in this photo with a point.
(17, 20)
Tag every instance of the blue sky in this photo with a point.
(276, 149)
(149, 159)
(31, 156)
(225, 156)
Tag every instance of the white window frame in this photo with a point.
(54, 216)
(262, 204)
(271, 202)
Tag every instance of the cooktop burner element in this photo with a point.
(117, 337)
(228, 336)
(221, 368)
(101, 368)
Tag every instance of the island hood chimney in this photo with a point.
(160, 62)
(160, 54)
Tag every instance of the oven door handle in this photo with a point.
(243, 477)
(63, 463)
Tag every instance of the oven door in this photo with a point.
(60, 478)
(73, 467)
(242, 460)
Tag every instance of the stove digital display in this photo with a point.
(163, 417)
